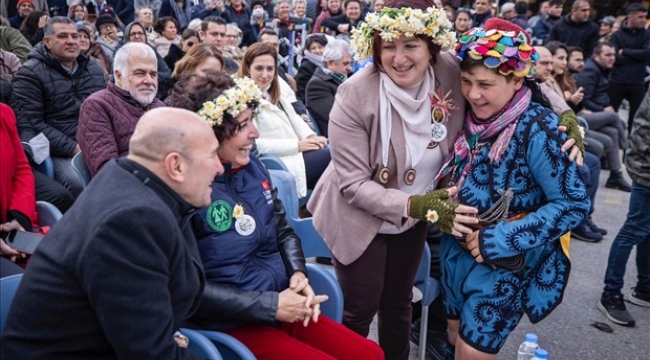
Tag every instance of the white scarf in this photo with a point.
(415, 114)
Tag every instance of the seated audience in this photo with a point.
(344, 23)
(17, 197)
(25, 7)
(548, 20)
(333, 8)
(312, 59)
(189, 38)
(299, 12)
(283, 24)
(321, 89)
(576, 28)
(109, 39)
(108, 117)
(9, 64)
(167, 34)
(282, 131)
(47, 189)
(153, 5)
(213, 31)
(576, 60)
(594, 80)
(13, 41)
(606, 28)
(32, 27)
(207, 8)
(258, 18)
(377, 5)
(201, 59)
(77, 12)
(231, 49)
(134, 32)
(91, 48)
(240, 14)
(462, 22)
(51, 101)
(122, 263)
(277, 313)
(180, 10)
(146, 18)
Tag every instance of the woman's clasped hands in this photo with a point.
(312, 143)
(299, 302)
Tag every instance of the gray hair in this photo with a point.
(122, 55)
(296, 2)
(335, 49)
(49, 26)
(195, 24)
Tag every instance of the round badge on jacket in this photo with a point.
(219, 216)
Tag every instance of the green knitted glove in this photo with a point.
(434, 207)
(573, 130)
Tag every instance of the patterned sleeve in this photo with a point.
(567, 202)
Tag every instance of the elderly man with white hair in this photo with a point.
(108, 117)
(321, 88)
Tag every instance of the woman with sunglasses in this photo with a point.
(176, 52)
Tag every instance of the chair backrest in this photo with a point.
(323, 282)
(429, 286)
(272, 162)
(48, 214)
(229, 347)
(312, 243)
(46, 167)
(79, 164)
(201, 346)
(8, 287)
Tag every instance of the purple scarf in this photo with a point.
(470, 141)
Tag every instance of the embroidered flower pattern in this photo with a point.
(432, 216)
(238, 211)
(232, 101)
(392, 23)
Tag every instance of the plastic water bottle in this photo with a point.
(527, 348)
(540, 354)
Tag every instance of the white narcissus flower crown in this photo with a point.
(232, 101)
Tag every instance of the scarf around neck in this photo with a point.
(415, 114)
(313, 58)
(477, 132)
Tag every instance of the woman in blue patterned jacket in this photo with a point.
(507, 162)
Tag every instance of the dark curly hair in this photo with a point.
(191, 91)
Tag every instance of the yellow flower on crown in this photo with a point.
(391, 23)
(232, 101)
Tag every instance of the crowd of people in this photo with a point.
(422, 120)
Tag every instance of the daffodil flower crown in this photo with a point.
(507, 51)
(392, 23)
(232, 101)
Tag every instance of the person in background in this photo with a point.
(543, 10)
(78, 12)
(180, 10)
(13, 41)
(9, 65)
(258, 19)
(276, 313)
(576, 28)
(321, 89)
(145, 17)
(210, 8)
(25, 7)
(377, 5)
(312, 59)
(282, 131)
(124, 251)
(344, 23)
(462, 22)
(92, 49)
(632, 45)
(635, 230)
(109, 39)
(483, 11)
(17, 196)
(240, 14)
(108, 117)
(520, 17)
(299, 12)
(576, 60)
(201, 59)
(167, 29)
(384, 159)
(32, 27)
(231, 47)
(507, 11)
(548, 20)
(213, 31)
(153, 5)
(51, 100)
(606, 28)
(333, 9)
(189, 38)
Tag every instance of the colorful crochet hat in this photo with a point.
(501, 45)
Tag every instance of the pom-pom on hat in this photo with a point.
(501, 45)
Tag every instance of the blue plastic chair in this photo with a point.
(79, 165)
(273, 162)
(46, 167)
(200, 345)
(229, 347)
(430, 288)
(8, 287)
(323, 282)
(48, 214)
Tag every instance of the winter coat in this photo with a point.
(243, 20)
(17, 190)
(200, 11)
(333, 23)
(173, 56)
(280, 131)
(637, 160)
(162, 44)
(305, 72)
(9, 64)
(13, 41)
(255, 267)
(51, 96)
(320, 94)
(631, 64)
(114, 279)
(34, 37)
(544, 26)
(595, 85)
(107, 120)
(584, 35)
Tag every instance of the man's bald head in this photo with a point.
(544, 67)
(180, 148)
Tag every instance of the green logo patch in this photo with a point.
(219, 216)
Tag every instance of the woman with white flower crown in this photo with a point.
(391, 126)
(247, 248)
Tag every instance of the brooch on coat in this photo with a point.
(441, 107)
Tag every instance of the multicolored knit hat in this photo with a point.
(500, 44)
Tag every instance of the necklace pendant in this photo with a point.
(383, 175)
(409, 177)
(438, 132)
